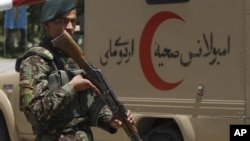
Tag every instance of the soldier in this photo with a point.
(59, 110)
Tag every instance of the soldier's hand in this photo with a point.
(116, 123)
(80, 84)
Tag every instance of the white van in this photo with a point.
(182, 66)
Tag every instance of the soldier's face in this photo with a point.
(67, 22)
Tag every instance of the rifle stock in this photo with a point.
(66, 44)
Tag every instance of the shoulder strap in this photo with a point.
(39, 51)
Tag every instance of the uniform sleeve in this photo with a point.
(39, 102)
(104, 118)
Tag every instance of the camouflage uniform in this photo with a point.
(56, 114)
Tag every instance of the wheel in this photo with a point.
(164, 133)
(4, 135)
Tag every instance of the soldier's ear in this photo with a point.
(45, 26)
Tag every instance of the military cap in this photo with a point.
(53, 9)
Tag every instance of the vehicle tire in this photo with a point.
(164, 133)
(4, 135)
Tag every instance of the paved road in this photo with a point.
(7, 65)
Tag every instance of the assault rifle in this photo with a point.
(66, 44)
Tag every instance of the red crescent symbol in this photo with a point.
(145, 50)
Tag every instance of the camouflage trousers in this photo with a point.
(77, 136)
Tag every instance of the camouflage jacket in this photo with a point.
(52, 111)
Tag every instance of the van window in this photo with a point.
(165, 1)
